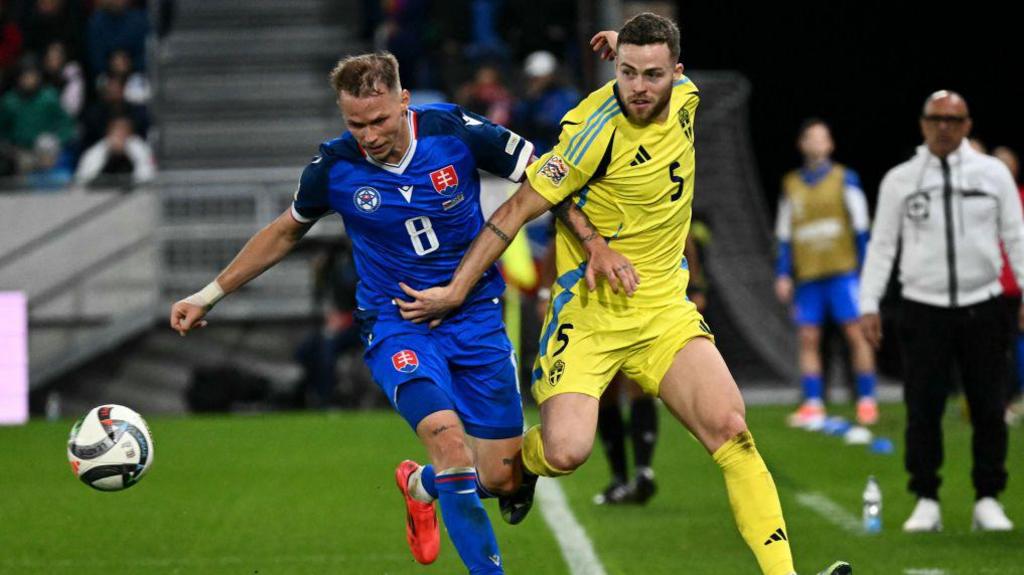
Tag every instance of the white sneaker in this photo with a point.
(926, 517)
(989, 516)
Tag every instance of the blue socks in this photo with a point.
(812, 386)
(428, 478)
(865, 385)
(466, 520)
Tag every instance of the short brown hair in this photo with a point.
(648, 28)
(363, 75)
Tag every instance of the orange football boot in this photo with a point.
(421, 528)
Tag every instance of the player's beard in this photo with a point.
(653, 111)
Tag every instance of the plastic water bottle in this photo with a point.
(872, 506)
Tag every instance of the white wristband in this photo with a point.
(207, 297)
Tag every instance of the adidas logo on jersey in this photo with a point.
(779, 535)
(641, 157)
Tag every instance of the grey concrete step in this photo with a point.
(194, 14)
(192, 86)
(245, 138)
(253, 45)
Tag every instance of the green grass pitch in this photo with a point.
(314, 493)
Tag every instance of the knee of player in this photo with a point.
(728, 426)
(566, 457)
(809, 339)
(449, 449)
(499, 483)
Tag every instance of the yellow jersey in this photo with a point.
(635, 184)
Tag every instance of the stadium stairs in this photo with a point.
(245, 83)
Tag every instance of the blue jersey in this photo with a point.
(413, 221)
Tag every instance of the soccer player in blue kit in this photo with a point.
(404, 180)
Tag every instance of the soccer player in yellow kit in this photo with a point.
(625, 157)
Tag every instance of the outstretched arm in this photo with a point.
(259, 254)
(435, 302)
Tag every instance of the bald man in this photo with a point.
(948, 206)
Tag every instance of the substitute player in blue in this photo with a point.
(404, 180)
(822, 230)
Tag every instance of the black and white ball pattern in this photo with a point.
(110, 448)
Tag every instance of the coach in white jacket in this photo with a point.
(948, 208)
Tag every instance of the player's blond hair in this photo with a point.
(366, 75)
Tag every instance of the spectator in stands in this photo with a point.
(403, 33)
(30, 110)
(51, 170)
(945, 211)
(822, 230)
(136, 85)
(1012, 296)
(110, 104)
(113, 26)
(65, 77)
(528, 28)
(10, 44)
(486, 42)
(547, 99)
(51, 21)
(120, 159)
(486, 95)
(334, 294)
(167, 12)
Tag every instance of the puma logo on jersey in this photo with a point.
(496, 559)
(471, 121)
(641, 156)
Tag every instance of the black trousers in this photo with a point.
(973, 340)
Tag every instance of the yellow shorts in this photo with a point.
(584, 344)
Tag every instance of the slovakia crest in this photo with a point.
(405, 361)
(445, 180)
(367, 199)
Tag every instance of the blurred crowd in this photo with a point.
(518, 70)
(74, 94)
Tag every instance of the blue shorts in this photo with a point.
(836, 295)
(468, 357)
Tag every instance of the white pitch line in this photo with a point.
(830, 511)
(924, 572)
(577, 549)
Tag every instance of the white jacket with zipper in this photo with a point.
(948, 217)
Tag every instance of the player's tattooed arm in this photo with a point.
(602, 260)
(577, 221)
(430, 305)
(497, 231)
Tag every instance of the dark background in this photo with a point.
(864, 67)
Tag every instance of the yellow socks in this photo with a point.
(755, 503)
(533, 455)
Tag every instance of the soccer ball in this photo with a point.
(110, 448)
